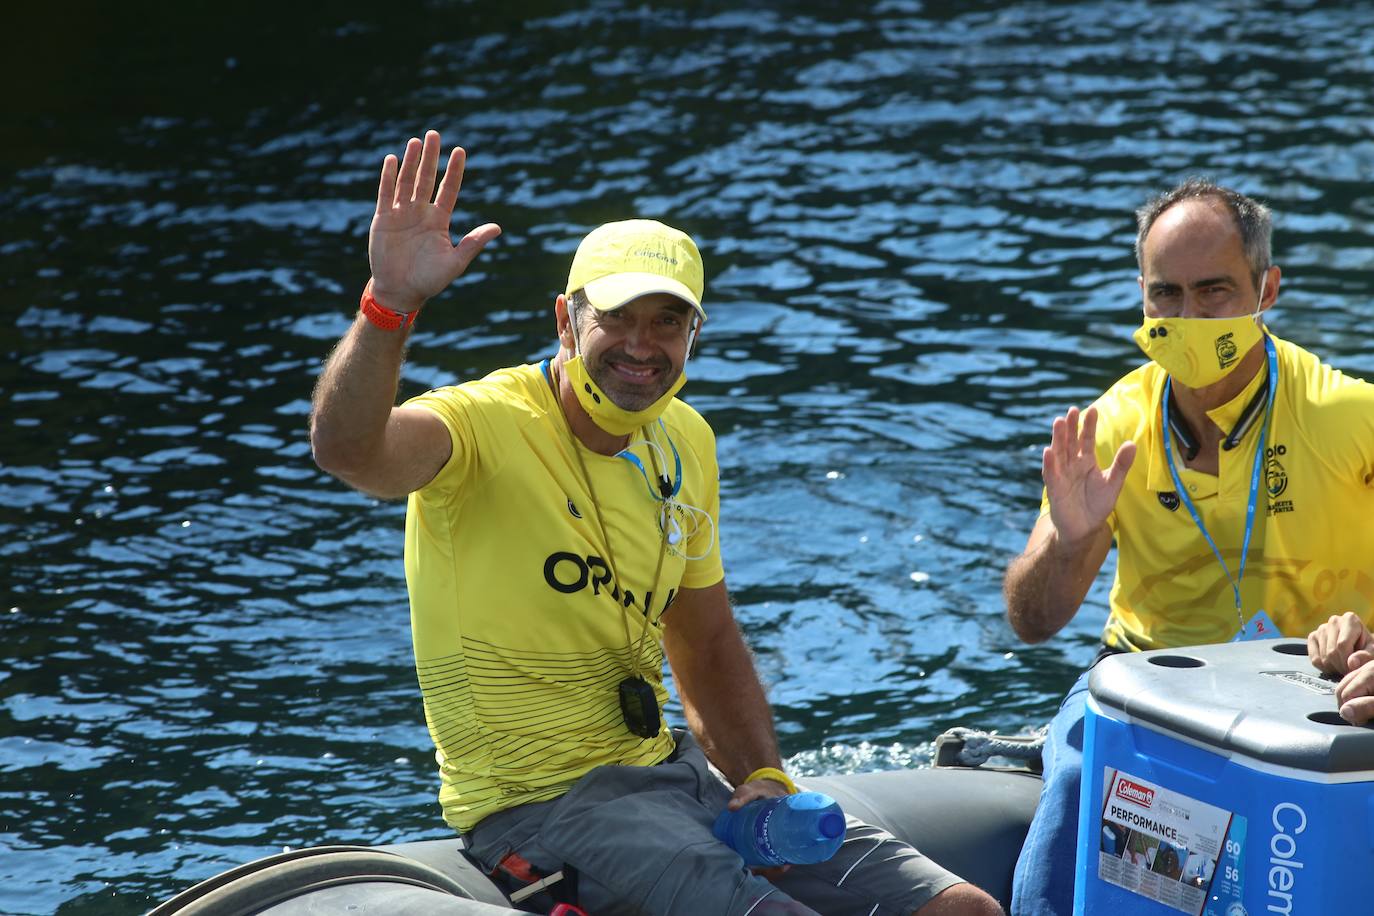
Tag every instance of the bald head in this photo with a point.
(1248, 219)
(1198, 230)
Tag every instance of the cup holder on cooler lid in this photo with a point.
(1176, 661)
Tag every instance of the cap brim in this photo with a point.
(614, 290)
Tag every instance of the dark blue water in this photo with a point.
(917, 225)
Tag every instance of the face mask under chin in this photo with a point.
(604, 412)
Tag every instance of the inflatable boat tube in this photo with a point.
(970, 820)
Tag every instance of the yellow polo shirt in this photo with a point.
(1312, 550)
(520, 609)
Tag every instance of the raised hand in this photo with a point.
(1081, 494)
(1330, 646)
(410, 246)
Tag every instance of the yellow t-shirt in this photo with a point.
(518, 618)
(1312, 549)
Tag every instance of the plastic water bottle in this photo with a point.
(799, 829)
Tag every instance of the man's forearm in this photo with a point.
(354, 397)
(726, 707)
(742, 731)
(1045, 586)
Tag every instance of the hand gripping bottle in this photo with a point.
(799, 829)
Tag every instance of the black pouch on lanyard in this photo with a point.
(639, 707)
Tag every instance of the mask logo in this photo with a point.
(1227, 351)
(1169, 500)
(573, 509)
(1275, 477)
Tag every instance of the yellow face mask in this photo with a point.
(604, 412)
(1198, 352)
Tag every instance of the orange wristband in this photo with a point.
(381, 316)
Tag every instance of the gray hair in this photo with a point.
(577, 299)
(578, 303)
(1252, 218)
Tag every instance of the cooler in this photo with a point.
(1221, 780)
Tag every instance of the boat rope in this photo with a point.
(969, 747)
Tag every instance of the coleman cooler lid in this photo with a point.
(1261, 699)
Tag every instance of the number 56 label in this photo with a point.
(1229, 887)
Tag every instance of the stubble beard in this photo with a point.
(628, 396)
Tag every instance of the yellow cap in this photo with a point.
(621, 261)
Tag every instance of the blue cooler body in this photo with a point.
(1221, 780)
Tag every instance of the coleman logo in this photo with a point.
(1169, 500)
(1134, 792)
(1226, 350)
(1285, 868)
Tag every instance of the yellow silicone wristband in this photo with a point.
(776, 775)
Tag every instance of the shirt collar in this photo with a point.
(1227, 415)
(1224, 416)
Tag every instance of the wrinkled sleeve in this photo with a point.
(454, 406)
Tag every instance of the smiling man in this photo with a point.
(1234, 473)
(561, 543)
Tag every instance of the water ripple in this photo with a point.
(917, 221)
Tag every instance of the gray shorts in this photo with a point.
(640, 840)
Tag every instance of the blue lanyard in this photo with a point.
(1255, 474)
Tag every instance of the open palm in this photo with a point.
(410, 247)
(1081, 494)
